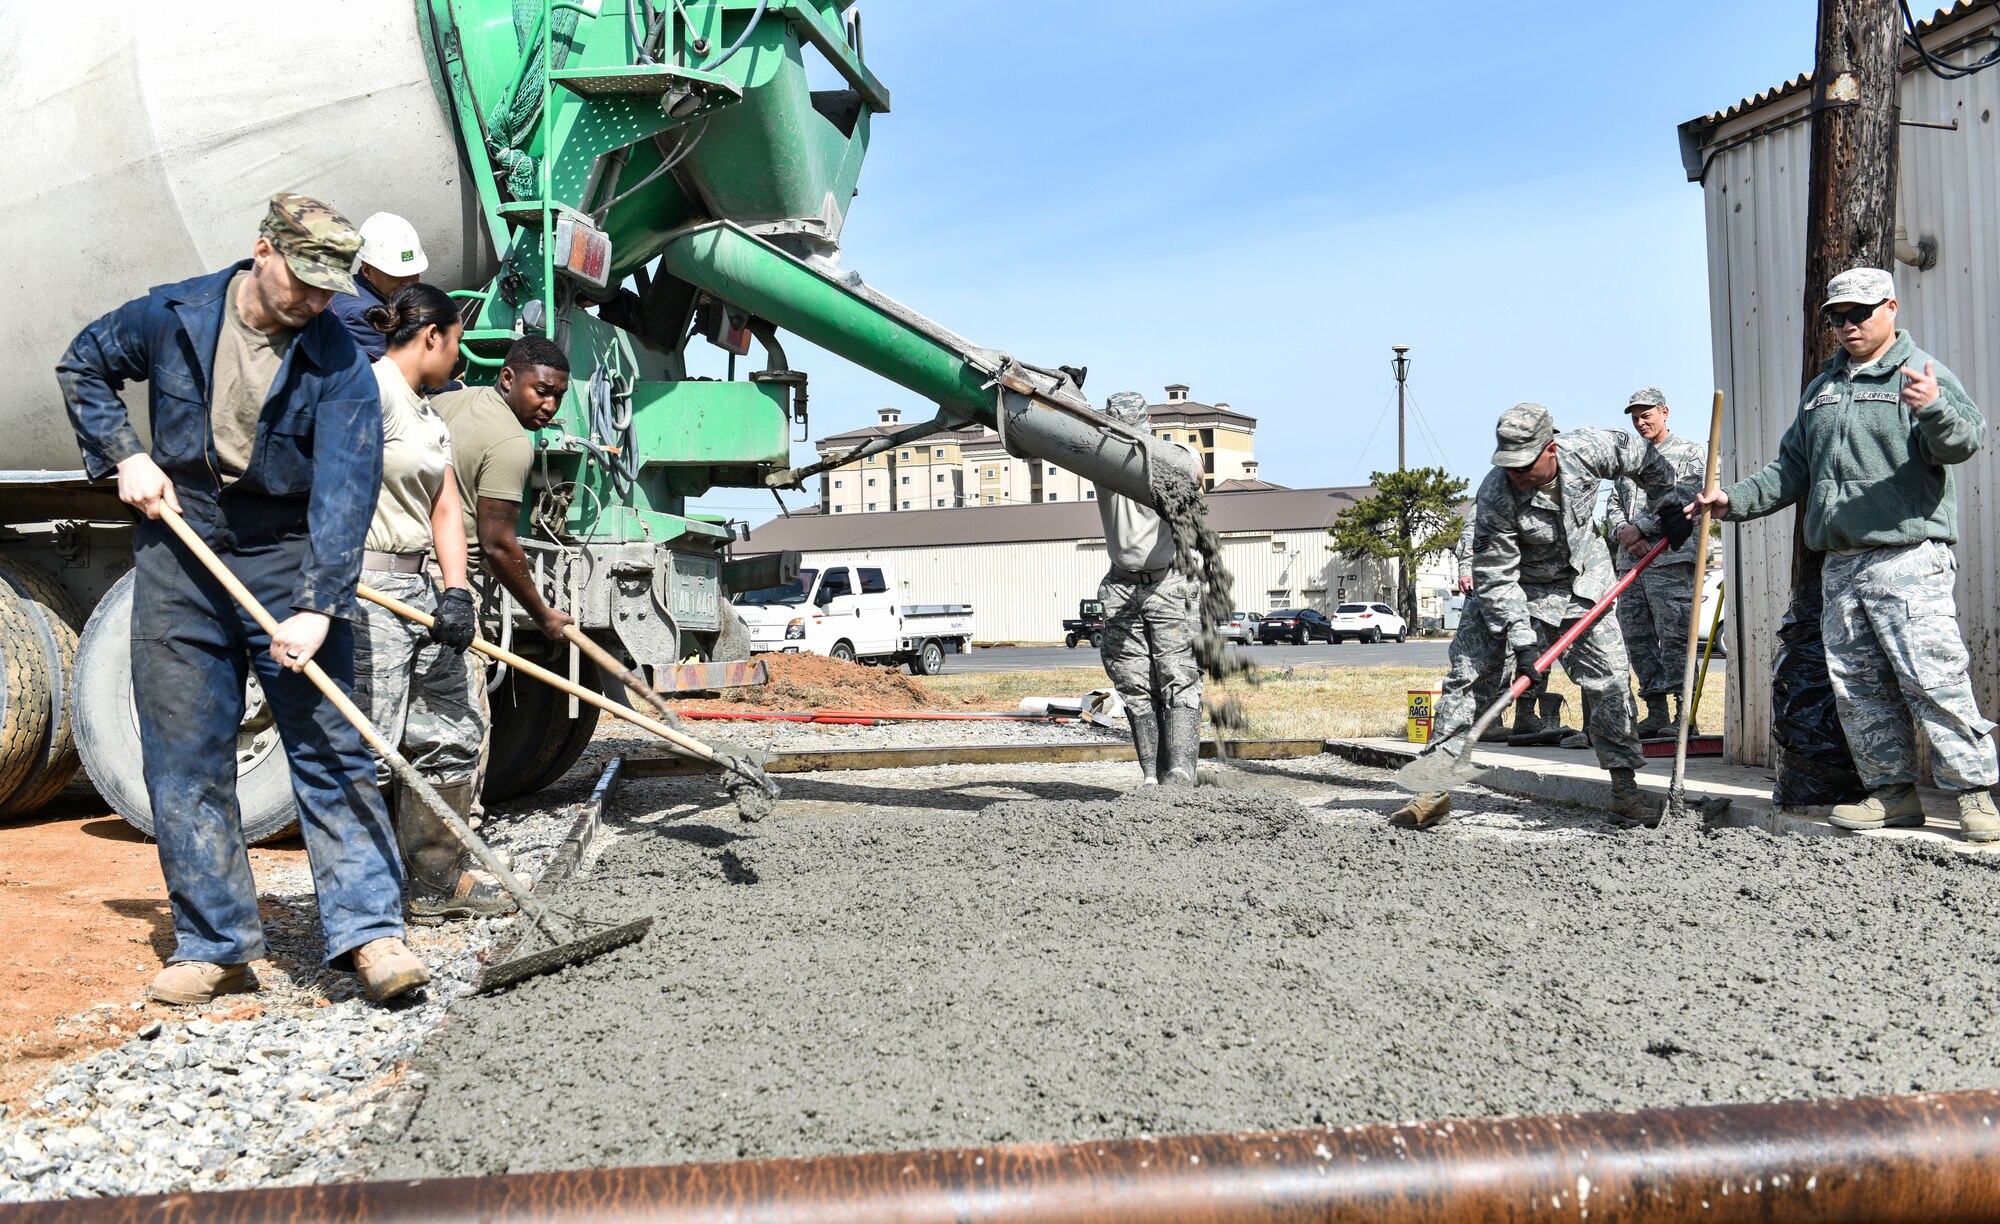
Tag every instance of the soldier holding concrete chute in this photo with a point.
(1654, 611)
(1539, 565)
(1151, 615)
(267, 437)
(1871, 453)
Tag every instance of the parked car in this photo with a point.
(1241, 627)
(1367, 622)
(849, 610)
(1295, 625)
(1086, 626)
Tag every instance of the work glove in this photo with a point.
(454, 624)
(1524, 665)
(1674, 522)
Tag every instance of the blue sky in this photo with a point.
(1258, 200)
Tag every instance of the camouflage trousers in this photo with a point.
(427, 700)
(1653, 614)
(1898, 661)
(1481, 669)
(1148, 642)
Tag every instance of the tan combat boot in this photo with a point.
(1892, 807)
(1422, 811)
(1977, 820)
(193, 982)
(388, 968)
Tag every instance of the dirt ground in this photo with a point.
(811, 682)
(87, 926)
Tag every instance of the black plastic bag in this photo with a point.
(1814, 766)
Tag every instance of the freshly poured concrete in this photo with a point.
(967, 956)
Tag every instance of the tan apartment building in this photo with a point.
(969, 467)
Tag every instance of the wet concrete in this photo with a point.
(964, 957)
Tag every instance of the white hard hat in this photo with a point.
(389, 244)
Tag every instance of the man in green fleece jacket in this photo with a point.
(1871, 453)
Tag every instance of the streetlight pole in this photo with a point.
(1402, 364)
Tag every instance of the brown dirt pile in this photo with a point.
(814, 682)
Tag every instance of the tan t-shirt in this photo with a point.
(1135, 539)
(490, 453)
(246, 364)
(416, 452)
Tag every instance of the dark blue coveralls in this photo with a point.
(291, 527)
(349, 307)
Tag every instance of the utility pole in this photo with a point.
(1402, 365)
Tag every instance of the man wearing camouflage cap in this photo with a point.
(267, 438)
(1151, 615)
(1871, 453)
(1538, 565)
(1654, 611)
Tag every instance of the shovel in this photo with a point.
(568, 948)
(1677, 791)
(1440, 771)
(753, 789)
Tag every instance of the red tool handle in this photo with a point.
(1523, 683)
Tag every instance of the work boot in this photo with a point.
(1533, 728)
(1145, 741)
(1655, 724)
(1674, 727)
(186, 982)
(1180, 746)
(441, 879)
(1629, 805)
(1422, 811)
(1977, 821)
(1892, 807)
(1496, 732)
(388, 968)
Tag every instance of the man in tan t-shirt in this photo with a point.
(492, 454)
(247, 362)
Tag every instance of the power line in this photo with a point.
(1362, 454)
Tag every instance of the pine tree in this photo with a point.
(1413, 515)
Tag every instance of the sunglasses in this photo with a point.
(1853, 316)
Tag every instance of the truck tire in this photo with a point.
(534, 741)
(842, 650)
(1069, 640)
(57, 622)
(106, 726)
(24, 702)
(929, 659)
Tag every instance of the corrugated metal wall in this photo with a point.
(1755, 198)
(1020, 592)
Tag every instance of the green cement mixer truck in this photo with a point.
(628, 177)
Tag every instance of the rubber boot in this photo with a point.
(1532, 728)
(1422, 811)
(1180, 746)
(1655, 724)
(1146, 741)
(1977, 819)
(438, 872)
(1629, 805)
(1892, 807)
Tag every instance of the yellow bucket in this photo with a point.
(1423, 708)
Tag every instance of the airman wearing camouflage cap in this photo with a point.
(319, 244)
(1654, 611)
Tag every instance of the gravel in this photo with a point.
(966, 956)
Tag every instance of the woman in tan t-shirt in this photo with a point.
(419, 686)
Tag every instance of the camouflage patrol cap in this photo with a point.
(1524, 430)
(1646, 397)
(1860, 287)
(319, 245)
(1128, 407)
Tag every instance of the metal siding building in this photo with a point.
(1756, 156)
(1023, 568)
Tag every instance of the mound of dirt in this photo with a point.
(814, 682)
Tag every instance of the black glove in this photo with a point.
(1524, 665)
(1674, 522)
(454, 624)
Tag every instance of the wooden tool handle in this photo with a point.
(1709, 481)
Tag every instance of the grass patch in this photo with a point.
(1281, 702)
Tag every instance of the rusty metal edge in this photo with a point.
(830, 759)
(1932, 1157)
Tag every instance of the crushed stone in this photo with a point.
(904, 963)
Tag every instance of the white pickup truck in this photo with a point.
(851, 610)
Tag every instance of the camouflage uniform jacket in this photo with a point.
(1628, 503)
(1464, 548)
(1536, 554)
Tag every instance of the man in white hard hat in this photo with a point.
(391, 259)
